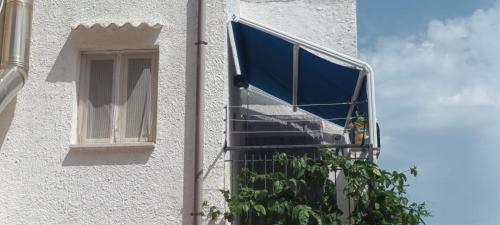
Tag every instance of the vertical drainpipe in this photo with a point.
(200, 84)
(15, 49)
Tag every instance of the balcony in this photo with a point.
(292, 96)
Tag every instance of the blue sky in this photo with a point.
(437, 65)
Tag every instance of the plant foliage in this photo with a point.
(307, 196)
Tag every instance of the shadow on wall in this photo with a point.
(6, 117)
(106, 157)
(66, 66)
(189, 125)
(99, 37)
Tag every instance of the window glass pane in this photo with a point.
(100, 109)
(138, 114)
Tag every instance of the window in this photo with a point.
(117, 98)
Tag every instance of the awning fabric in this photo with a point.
(266, 63)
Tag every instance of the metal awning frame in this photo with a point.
(365, 68)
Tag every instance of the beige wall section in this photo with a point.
(329, 23)
(43, 182)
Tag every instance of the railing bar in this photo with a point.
(246, 117)
(336, 196)
(284, 120)
(282, 131)
(286, 169)
(246, 166)
(253, 186)
(253, 168)
(312, 146)
(359, 158)
(276, 117)
(272, 169)
(349, 209)
(314, 104)
(265, 170)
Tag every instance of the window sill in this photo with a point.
(145, 146)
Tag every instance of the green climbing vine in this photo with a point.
(307, 196)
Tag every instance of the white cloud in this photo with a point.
(445, 77)
(438, 102)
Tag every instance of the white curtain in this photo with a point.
(138, 114)
(100, 108)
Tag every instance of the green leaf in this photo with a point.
(414, 171)
(278, 207)
(318, 218)
(301, 214)
(279, 186)
(245, 207)
(260, 210)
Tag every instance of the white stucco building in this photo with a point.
(68, 152)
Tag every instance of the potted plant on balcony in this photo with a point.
(358, 130)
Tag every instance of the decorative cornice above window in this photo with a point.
(116, 26)
(91, 36)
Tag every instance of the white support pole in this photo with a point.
(355, 97)
(296, 60)
(232, 43)
(372, 110)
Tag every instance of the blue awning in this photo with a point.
(266, 63)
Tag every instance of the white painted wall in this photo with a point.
(42, 182)
(329, 23)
